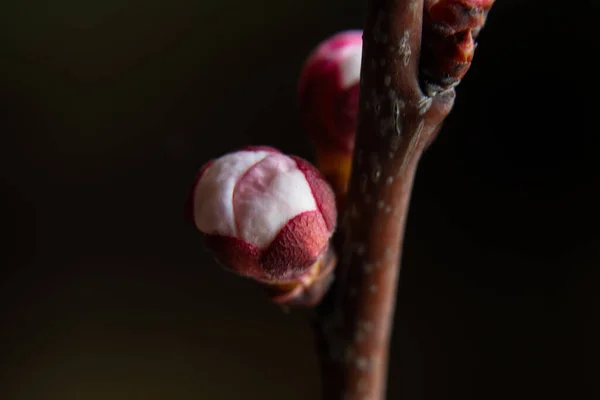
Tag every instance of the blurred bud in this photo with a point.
(449, 31)
(328, 91)
(264, 215)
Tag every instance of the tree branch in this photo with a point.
(396, 122)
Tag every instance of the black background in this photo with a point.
(108, 108)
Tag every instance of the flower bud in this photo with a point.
(449, 29)
(328, 89)
(264, 215)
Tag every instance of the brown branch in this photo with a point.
(396, 123)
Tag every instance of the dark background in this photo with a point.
(108, 108)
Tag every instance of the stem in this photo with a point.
(395, 124)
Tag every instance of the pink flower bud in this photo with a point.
(328, 90)
(264, 214)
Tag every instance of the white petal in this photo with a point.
(271, 193)
(213, 195)
(350, 59)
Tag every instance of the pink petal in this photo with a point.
(267, 196)
(322, 192)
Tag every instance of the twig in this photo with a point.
(396, 122)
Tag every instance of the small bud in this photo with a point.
(449, 29)
(328, 90)
(264, 215)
